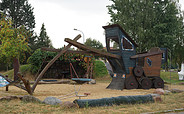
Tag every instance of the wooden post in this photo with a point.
(51, 62)
(7, 85)
(87, 67)
(26, 83)
(91, 73)
(16, 68)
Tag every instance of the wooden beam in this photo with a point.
(86, 48)
(51, 49)
(11, 83)
(145, 54)
(26, 84)
(51, 62)
(71, 51)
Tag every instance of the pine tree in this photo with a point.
(43, 39)
(20, 12)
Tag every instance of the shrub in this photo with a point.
(99, 69)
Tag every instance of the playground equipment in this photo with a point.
(82, 103)
(132, 70)
(27, 87)
(3, 82)
(74, 94)
(82, 80)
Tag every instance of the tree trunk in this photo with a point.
(16, 66)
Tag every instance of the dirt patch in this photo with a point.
(172, 101)
(96, 91)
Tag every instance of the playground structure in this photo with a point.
(131, 70)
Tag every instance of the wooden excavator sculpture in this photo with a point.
(131, 70)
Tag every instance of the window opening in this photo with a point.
(127, 45)
(113, 44)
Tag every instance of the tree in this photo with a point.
(13, 42)
(43, 39)
(93, 43)
(144, 20)
(151, 23)
(21, 14)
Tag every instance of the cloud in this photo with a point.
(62, 16)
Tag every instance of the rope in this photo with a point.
(88, 69)
(70, 95)
(71, 71)
(74, 70)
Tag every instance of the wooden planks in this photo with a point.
(86, 48)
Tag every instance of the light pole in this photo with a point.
(82, 34)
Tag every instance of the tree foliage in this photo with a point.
(39, 57)
(93, 43)
(151, 23)
(13, 41)
(20, 11)
(21, 14)
(43, 39)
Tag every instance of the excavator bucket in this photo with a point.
(118, 82)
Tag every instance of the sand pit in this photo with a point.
(96, 91)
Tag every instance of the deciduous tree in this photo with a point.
(13, 42)
(21, 14)
(93, 43)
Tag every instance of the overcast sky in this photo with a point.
(62, 16)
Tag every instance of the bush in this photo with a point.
(99, 69)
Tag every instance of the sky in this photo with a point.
(62, 16)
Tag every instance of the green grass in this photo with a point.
(170, 77)
(23, 69)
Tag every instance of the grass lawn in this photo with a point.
(170, 77)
